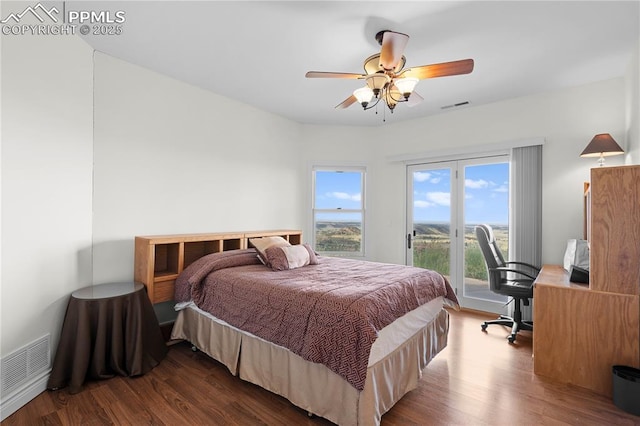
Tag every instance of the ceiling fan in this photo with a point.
(387, 80)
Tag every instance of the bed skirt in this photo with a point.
(311, 386)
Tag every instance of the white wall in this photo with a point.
(340, 146)
(632, 89)
(46, 183)
(153, 156)
(567, 120)
(173, 158)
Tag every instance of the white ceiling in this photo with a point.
(259, 52)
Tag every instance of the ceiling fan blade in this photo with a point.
(322, 74)
(444, 69)
(347, 102)
(393, 45)
(414, 100)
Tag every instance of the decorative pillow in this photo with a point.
(313, 260)
(291, 257)
(262, 244)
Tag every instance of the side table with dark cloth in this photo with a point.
(109, 329)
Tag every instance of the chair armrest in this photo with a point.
(516, 271)
(535, 268)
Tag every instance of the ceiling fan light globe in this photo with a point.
(363, 95)
(406, 85)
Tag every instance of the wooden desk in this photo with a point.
(581, 333)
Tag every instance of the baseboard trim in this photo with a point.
(478, 312)
(21, 397)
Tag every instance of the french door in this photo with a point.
(446, 200)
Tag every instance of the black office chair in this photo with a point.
(514, 279)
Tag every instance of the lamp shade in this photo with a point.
(602, 145)
(406, 85)
(363, 95)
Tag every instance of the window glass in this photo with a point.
(338, 213)
(338, 190)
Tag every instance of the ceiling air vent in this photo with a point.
(459, 104)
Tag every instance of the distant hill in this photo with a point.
(338, 236)
(432, 229)
(347, 237)
(443, 229)
(339, 228)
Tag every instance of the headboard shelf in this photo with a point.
(164, 275)
(159, 259)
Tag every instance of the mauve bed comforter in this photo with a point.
(328, 313)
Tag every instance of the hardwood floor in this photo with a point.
(479, 379)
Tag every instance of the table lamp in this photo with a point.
(602, 145)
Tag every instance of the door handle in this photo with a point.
(409, 238)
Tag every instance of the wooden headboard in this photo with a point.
(160, 258)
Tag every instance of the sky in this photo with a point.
(486, 189)
(486, 194)
(338, 190)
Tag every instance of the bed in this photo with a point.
(340, 338)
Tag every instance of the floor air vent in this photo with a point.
(24, 364)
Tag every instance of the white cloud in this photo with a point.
(344, 196)
(421, 176)
(439, 198)
(475, 184)
(427, 177)
(421, 204)
(502, 188)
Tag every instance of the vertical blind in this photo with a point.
(525, 222)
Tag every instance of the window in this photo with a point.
(338, 210)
